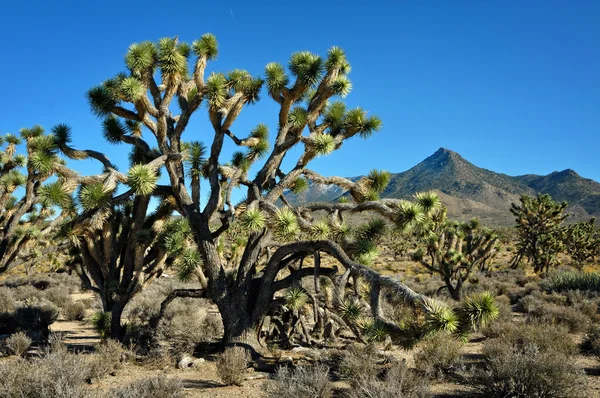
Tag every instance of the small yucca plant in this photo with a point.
(101, 322)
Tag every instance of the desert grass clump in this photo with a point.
(232, 365)
(152, 387)
(18, 343)
(397, 382)
(439, 355)
(568, 280)
(300, 382)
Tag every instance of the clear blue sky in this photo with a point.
(513, 86)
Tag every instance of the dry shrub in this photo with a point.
(18, 343)
(105, 359)
(7, 299)
(56, 375)
(439, 355)
(540, 310)
(358, 361)
(300, 382)
(74, 311)
(591, 342)
(530, 361)
(152, 387)
(232, 365)
(556, 338)
(58, 295)
(398, 382)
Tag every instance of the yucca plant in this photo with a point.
(478, 310)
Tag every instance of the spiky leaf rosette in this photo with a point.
(307, 67)
(297, 117)
(374, 330)
(300, 185)
(142, 179)
(365, 252)
(94, 196)
(323, 144)
(440, 317)
(295, 298)
(479, 310)
(54, 194)
(429, 201)
(195, 160)
(340, 231)
(240, 160)
(319, 230)
(207, 46)
(173, 63)
(216, 91)
(141, 57)
(285, 224)
(187, 263)
(409, 215)
(253, 220)
(351, 310)
(276, 79)
(372, 231)
(378, 180)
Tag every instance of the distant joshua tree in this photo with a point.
(539, 226)
(27, 214)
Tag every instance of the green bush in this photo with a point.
(564, 281)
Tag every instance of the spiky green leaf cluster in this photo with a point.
(478, 310)
(323, 144)
(285, 224)
(142, 179)
(54, 194)
(307, 67)
(171, 61)
(300, 185)
(141, 57)
(440, 317)
(351, 310)
(295, 298)
(207, 46)
(319, 230)
(253, 220)
(94, 196)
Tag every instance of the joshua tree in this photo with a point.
(119, 245)
(539, 230)
(310, 118)
(582, 241)
(449, 249)
(26, 219)
(455, 251)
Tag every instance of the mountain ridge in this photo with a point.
(471, 191)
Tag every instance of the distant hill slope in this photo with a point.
(470, 191)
